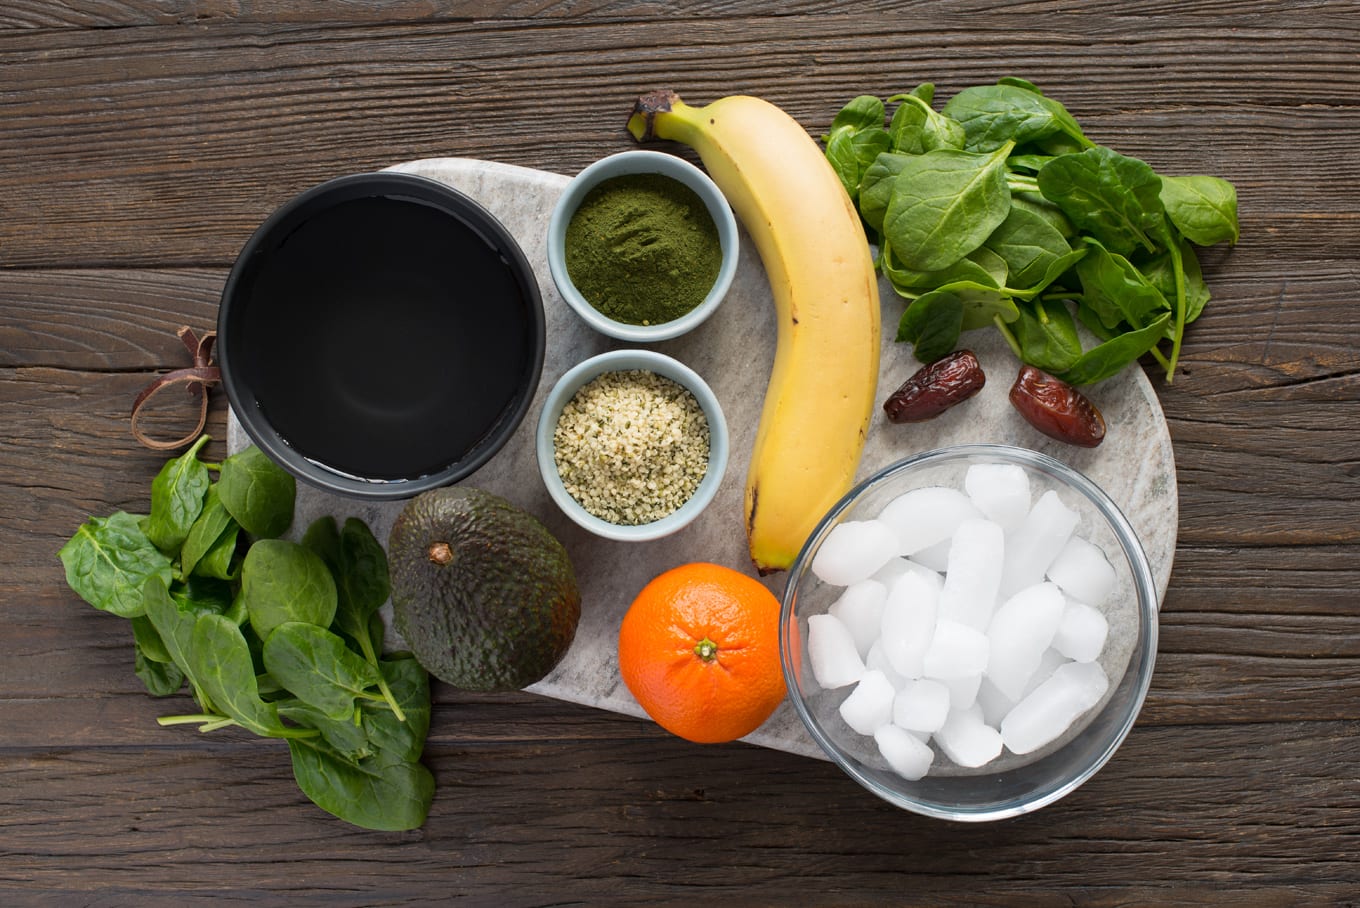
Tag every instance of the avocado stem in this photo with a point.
(441, 553)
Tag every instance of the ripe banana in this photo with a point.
(821, 391)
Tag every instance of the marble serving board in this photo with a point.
(733, 351)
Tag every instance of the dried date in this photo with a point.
(1056, 408)
(936, 387)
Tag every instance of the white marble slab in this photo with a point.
(734, 351)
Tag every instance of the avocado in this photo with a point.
(483, 593)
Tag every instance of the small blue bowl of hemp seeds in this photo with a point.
(642, 246)
(632, 444)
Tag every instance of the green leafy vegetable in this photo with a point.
(999, 210)
(944, 205)
(285, 642)
(108, 560)
(177, 495)
(284, 581)
(257, 492)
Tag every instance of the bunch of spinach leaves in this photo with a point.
(283, 639)
(998, 210)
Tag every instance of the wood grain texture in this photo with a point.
(144, 140)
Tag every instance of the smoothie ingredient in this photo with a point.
(643, 249)
(631, 446)
(260, 630)
(936, 387)
(482, 592)
(998, 210)
(999, 651)
(1056, 408)
(821, 391)
(699, 650)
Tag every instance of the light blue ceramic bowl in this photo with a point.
(630, 162)
(626, 360)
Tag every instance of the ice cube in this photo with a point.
(908, 755)
(870, 704)
(1048, 664)
(1000, 491)
(1032, 548)
(963, 691)
(909, 623)
(896, 567)
(967, 740)
(1083, 572)
(956, 651)
(860, 609)
(1022, 628)
(1053, 706)
(877, 659)
(924, 517)
(831, 650)
(921, 705)
(934, 558)
(853, 551)
(993, 702)
(1081, 632)
(976, 555)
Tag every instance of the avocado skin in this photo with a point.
(502, 612)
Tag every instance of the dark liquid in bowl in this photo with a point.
(390, 343)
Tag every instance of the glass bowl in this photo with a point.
(642, 162)
(627, 360)
(1010, 784)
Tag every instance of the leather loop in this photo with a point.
(197, 379)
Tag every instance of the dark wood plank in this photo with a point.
(163, 131)
(654, 819)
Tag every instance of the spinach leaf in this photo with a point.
(148, 640)
(207, 531)
(1110, 357)
(1114, 198)
(857, 137)
(346, 736)
(283, 581)
(1056, 269)
(944, 205)
(359, 565)
(200, 595)
(161, 679)
(410, 685)
(257, 492)
(1203, 208)
(222, 665)
(1048, 337)
(1116, 291)
(177, 495)
(109, 559)
(318, 667)
(1160, 272)
(217, 561)
(932, 324)
(1029, 244)
(1009, 112)
(916, 127)
(380, 792)
(175, 627)
(876, 187)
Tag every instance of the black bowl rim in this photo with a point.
(450, 201)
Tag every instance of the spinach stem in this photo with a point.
(1178, 332)
(366, 644)
(1010, 338)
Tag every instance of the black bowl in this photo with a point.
(381, 334)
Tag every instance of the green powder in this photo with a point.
(643, 249)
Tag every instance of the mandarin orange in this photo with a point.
(699, 650)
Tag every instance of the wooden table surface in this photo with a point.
(141, 141)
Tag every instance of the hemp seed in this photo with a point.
(631, 446)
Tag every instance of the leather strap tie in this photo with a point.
(197, 378)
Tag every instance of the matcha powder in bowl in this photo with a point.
(631, 446)
(643, 249)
